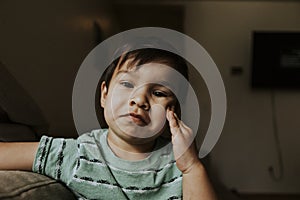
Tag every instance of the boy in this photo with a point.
(129, 159)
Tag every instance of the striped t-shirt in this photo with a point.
(92, 171)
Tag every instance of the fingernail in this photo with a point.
(175, 115)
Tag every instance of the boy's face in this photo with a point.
(136, 101)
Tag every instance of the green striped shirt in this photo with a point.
(92, 171)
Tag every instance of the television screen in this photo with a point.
(276, 60)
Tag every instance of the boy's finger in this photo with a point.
(172, 120)
(183, 125)
(169, 114)
(179, 123)
(176, 117)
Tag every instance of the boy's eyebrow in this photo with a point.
(166, 84)
(122, 72)
(162, 82)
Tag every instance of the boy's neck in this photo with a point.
(127, 151)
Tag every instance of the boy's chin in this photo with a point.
(135, 138)
(138, 139)
(141, 132)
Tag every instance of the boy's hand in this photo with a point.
(183, 146)
(195, 183)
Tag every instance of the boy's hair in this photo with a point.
(144, 56)
(139, 57)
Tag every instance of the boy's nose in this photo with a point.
(139, 99)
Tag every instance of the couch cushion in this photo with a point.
(17, 185)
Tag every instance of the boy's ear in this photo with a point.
(103, 94)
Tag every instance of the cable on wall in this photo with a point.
(279, 175)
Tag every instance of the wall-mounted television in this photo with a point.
(275, 59)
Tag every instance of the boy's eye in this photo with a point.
(127, 84)
(159, 93)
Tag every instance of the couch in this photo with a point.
(22, 120)
(17, 185)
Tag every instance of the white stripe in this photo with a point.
(169, 165)
(95, 183)
(175, 181)
(90, 143)
(143, 171)
(93, 163)
(140, 191)
(153, 190)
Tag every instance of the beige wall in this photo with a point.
(246, 148)
(43, 44)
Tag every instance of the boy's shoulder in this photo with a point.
(94, 135)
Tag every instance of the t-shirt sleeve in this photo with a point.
(56, 158)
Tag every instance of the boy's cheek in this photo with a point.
(171, 105)
(122, 95)
(116, 107)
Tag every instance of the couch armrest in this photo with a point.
(17, 185)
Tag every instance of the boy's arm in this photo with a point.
(17, 155)
(195, 182)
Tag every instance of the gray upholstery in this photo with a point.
(17, 185)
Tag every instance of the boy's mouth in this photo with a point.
(138, 119)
